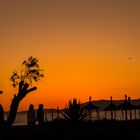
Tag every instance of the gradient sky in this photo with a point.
(84, 47)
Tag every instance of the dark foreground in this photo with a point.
(62, 130)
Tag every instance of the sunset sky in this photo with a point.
(86, 48)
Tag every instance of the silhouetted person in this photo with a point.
(40, 114)
(1, 115)
(31, 115)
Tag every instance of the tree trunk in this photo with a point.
(13, 111)
(22, 92)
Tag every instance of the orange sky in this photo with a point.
(82, 45)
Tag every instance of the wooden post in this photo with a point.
(105, 115)
(57, 112)
(135, 113)
(126, 115)
(111, 114)
(90, 114)
(126, 108)
(130, 114)
(97, 112)
(122, 115)
(115, 114)
(52, 115)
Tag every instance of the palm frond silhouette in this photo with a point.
(74, 111)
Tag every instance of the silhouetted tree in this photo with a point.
(29, 72)
(74, 112)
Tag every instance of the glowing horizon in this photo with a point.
(86, 48)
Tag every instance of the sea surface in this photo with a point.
(21, 118)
